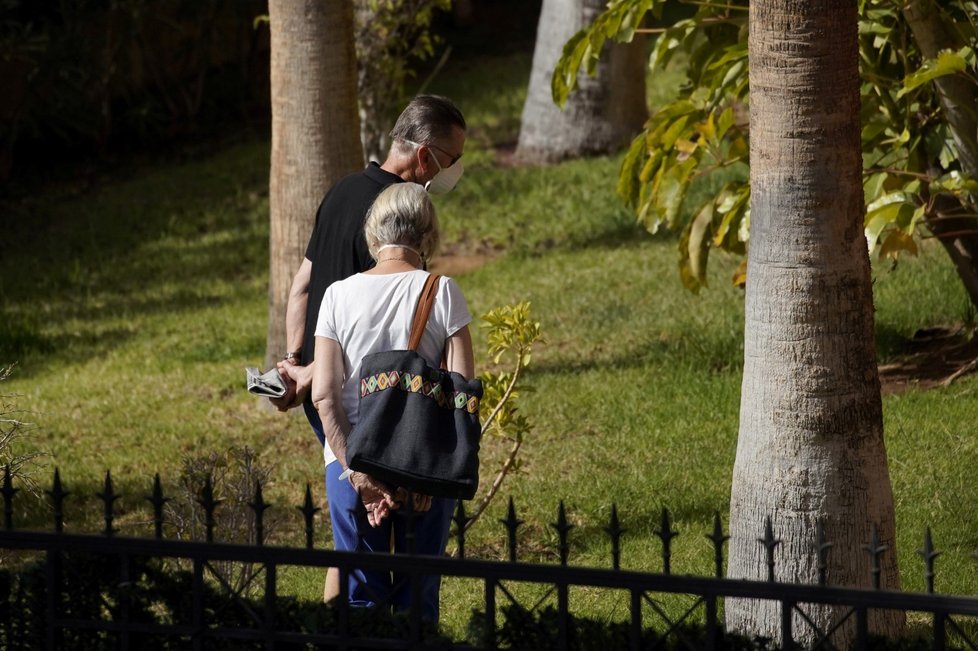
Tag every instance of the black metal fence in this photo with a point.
(107, 591)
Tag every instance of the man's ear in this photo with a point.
(423, 158)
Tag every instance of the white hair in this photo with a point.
(402, 214)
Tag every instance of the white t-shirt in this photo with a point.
(368, 313)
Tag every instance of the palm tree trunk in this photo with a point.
(315, 134)
(810, 447)
(605, 111)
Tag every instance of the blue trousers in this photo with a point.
(351, 532)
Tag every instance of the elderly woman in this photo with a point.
(372, 312)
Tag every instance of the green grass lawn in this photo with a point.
(131, 309)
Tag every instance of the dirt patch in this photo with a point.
(935, 357)
(462, 257)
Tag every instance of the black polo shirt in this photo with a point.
(338, 248)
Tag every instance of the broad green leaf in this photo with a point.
(725, 121)
(897, 242)
(905, 217)
(872, 130)
(886, 200)
(671, 191)
(738, 68)
(946, 63)
(918, 214)
(731, 206)
(873, 187)
(695, 249)
(628, 175)
(595, 44)
(875, 226)
(686, 146)
(564, 78)
(675, 130)
(651, 167)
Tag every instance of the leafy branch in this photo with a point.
(511, 335)
(918, 65)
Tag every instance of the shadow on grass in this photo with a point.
(709, 355)
(167, 244)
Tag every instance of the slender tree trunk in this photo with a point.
(811, 430)
(315, 133)
(605, 111)
(959, 101)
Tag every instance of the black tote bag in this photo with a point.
(418, 426)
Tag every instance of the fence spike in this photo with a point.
(769, 542)
(511, 523)
(875, 550)
(158, 500)
(259, 505)
(58, 495)
(461, 522)
(563, 528)
(210, 505)
(8, 491)
(821, 547)
(108, 497)
(718, 538)
(666, 533)
(929, 554)
(309, 511)
(615, 531)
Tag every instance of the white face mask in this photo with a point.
(446, 178)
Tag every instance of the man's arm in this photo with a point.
(297, 377)
(295, 312)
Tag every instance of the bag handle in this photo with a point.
(423, 310)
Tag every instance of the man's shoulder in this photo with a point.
(364, 184)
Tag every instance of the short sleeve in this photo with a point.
(326, 323)
(313, 246)
(451, 308)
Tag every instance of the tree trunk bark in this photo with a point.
(810, 447)
(959, 99)
(315, 134)
(603, 113)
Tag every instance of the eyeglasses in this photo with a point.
(433, 146)
(453, 161)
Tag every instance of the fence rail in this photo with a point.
(214, 613)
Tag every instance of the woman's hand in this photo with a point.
(377, 497)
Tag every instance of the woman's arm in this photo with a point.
(458, 353)
(327, 396)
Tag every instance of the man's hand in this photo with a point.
(298, 381)
(288, 400)
(419, 501)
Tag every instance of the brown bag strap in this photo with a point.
(423, 310)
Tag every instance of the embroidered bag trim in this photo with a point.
(416, 383)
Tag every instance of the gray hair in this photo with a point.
(402, 215)
(426, 118)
